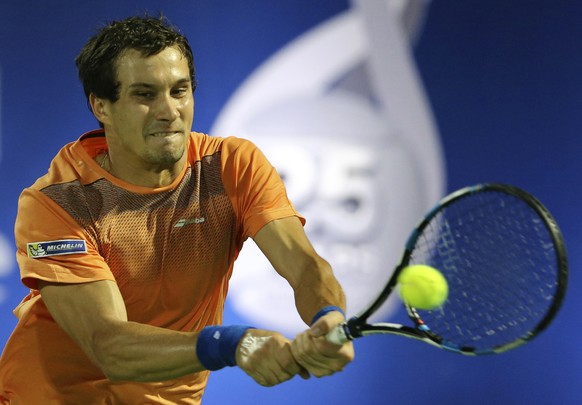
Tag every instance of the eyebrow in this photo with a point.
(151, 86)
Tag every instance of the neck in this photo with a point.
(152, 177)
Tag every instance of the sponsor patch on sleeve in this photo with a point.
(37, 250)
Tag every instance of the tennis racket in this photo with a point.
(505, 262)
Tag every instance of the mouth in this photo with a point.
(165, 134)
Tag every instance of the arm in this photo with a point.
(94, 316)
(287, 247)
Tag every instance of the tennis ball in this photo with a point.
(422, 287)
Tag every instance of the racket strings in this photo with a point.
(500, 262)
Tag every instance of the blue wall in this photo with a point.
(505, 82)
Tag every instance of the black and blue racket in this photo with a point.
(504, 258)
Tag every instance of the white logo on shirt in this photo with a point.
(188, 221)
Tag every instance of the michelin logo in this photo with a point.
(38, 250)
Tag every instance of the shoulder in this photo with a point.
(202, 145)
(74, 162)
(205, 141)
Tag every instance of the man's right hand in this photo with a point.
(266, 357)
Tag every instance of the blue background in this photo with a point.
(504, 81)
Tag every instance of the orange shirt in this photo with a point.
(171, 251)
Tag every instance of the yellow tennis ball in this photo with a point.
(422, 287)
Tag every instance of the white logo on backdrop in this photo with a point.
(6, 251)
(341, 114)
(6, 264)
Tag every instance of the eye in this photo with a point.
(144, 94)
(180, 92)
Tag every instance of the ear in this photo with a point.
(98, 107)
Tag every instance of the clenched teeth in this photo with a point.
(162, 134)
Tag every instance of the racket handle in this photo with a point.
(338, 335)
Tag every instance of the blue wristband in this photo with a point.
(325, 310)
(216, 346)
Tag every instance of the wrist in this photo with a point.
(325, 310)
(216, 345)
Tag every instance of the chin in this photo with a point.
(166, 158)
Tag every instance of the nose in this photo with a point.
(167, 109)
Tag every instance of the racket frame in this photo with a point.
(357, 326)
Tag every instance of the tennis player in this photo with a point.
(128, 242)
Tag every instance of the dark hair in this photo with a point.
(96, 62)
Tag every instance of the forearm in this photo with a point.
(94, 316)
(144, 353)
(128, 351)
(321, 302)
(292, 255)
(287, 247)
(316, 289)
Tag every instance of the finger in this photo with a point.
(326, 323)
(289, 366)
(307, 355)
(268, 359)
(295, 353)
(271, 373)
(261, 379)
(320, 357)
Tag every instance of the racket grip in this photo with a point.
(338, 335)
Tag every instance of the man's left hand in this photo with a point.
(316, 354)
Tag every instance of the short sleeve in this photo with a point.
(256, 189)
(51, 246)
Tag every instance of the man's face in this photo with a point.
(148, 126)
